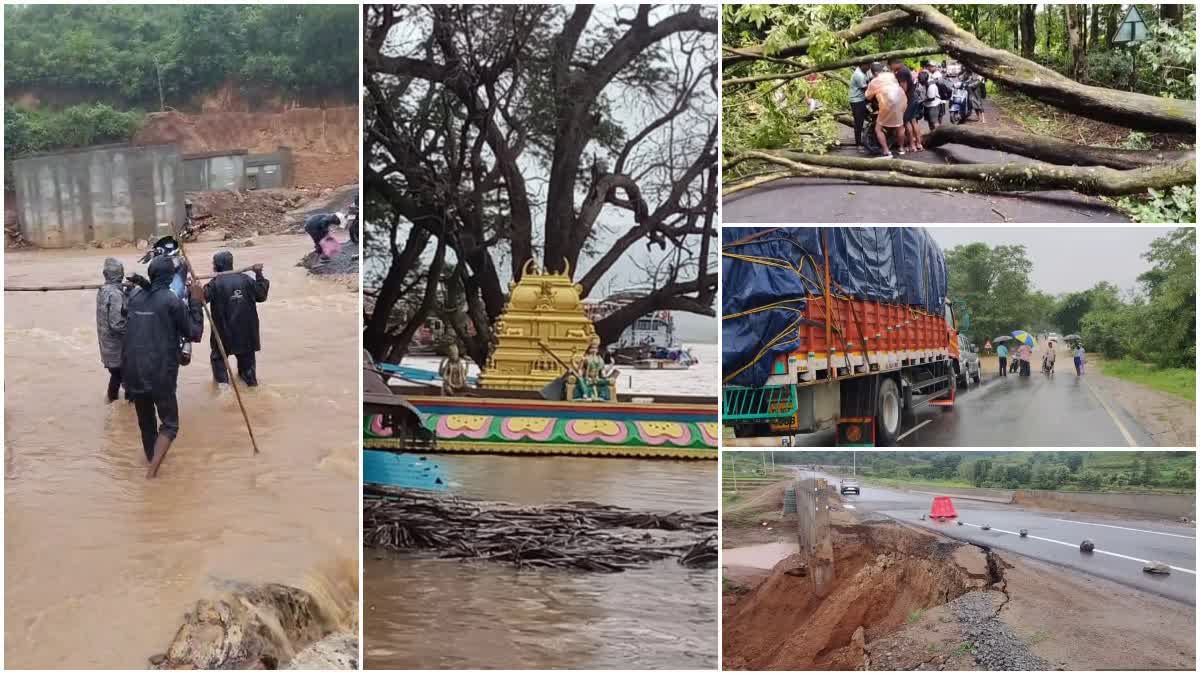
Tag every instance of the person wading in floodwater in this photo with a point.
(156, 321)
(110, 324)
(234, 302)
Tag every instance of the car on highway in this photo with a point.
(968, 369)
(848, 485)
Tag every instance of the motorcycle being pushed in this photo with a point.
(960, 103)
(169, 247)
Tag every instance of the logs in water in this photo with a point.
(574, 535)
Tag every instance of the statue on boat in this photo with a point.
(590, 380)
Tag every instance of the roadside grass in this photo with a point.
(1039, 636)
(1175, 381)
(915, 616)
(897, 482)
(963, 648)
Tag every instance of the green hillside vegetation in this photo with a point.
(1036, 470)
(117, 52)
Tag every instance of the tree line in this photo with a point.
(116, 57)
(1153, 323)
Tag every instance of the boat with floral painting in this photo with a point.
(544, 390)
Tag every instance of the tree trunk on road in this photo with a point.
(1135, 111)
(1010, 177)
(1053, 150)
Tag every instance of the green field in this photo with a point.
(1176, 381)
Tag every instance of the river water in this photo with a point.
(100, 563)
(428, 613)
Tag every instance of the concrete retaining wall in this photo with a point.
(105, 192)
(1169, 506)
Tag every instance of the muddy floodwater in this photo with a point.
(427, 613)
(100, 563)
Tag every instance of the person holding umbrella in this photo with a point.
(1025, 351)
(1002, 352)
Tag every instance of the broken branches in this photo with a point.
(1053, 150)
(844, 63)
(869, 25)
(1010, 177)
(575, 535)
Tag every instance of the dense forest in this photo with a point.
(120, 55)
(1039, 470)
(1056, 69)
(1154, 323)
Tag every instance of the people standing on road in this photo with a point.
(234, 302)
(933, 101)
(976, 91)
(1079, 358)
(110, 324)
(156, 321)
(1024, 352)
(913, 108)
(1049, 358)
(858, 100)
(885, 90)
(1002, 352)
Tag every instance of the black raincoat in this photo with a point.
(156, 321)
(233, 302)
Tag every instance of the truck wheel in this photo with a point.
(978, 375)
(888, 413)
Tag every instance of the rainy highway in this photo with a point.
(1058, 411)
(1122, 544)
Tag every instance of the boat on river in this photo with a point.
(519, 407)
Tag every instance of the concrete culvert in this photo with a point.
(1087, 546)
(1155, 567)
(1024, 532)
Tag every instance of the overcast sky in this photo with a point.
(1067, 259)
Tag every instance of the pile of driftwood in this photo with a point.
(574, 535)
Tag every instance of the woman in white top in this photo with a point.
(933, 103)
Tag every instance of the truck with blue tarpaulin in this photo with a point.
(844, 326)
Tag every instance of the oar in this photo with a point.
(224, 359)
(92, 287)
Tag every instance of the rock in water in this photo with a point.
(1155, 567)
(336, 652)
(250, 627)
(1087, 546)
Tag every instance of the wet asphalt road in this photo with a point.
(1034, 411)
(1121, 543)
(824, 200)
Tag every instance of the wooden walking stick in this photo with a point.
(220, 346)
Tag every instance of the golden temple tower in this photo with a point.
(542, 306)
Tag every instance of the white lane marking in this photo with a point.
(1124, 432)
(901, 436)
(1055, 541)
(849, 506)
(1118, 527)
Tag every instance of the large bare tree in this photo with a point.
(500, 134)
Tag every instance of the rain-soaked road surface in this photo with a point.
(1057, 411)
(1122, 544)
(826, 200)
(100, 563)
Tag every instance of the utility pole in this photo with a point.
(162, 106)
(854, 455)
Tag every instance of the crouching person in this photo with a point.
(157, 321)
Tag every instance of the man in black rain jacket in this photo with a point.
(156, 321)
(233, 299)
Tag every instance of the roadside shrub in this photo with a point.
(1177, 205)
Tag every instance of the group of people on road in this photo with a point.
(1024, 353)
(902, 99)
(143, 326)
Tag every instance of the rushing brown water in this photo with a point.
(424, 613)
(100, 563)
